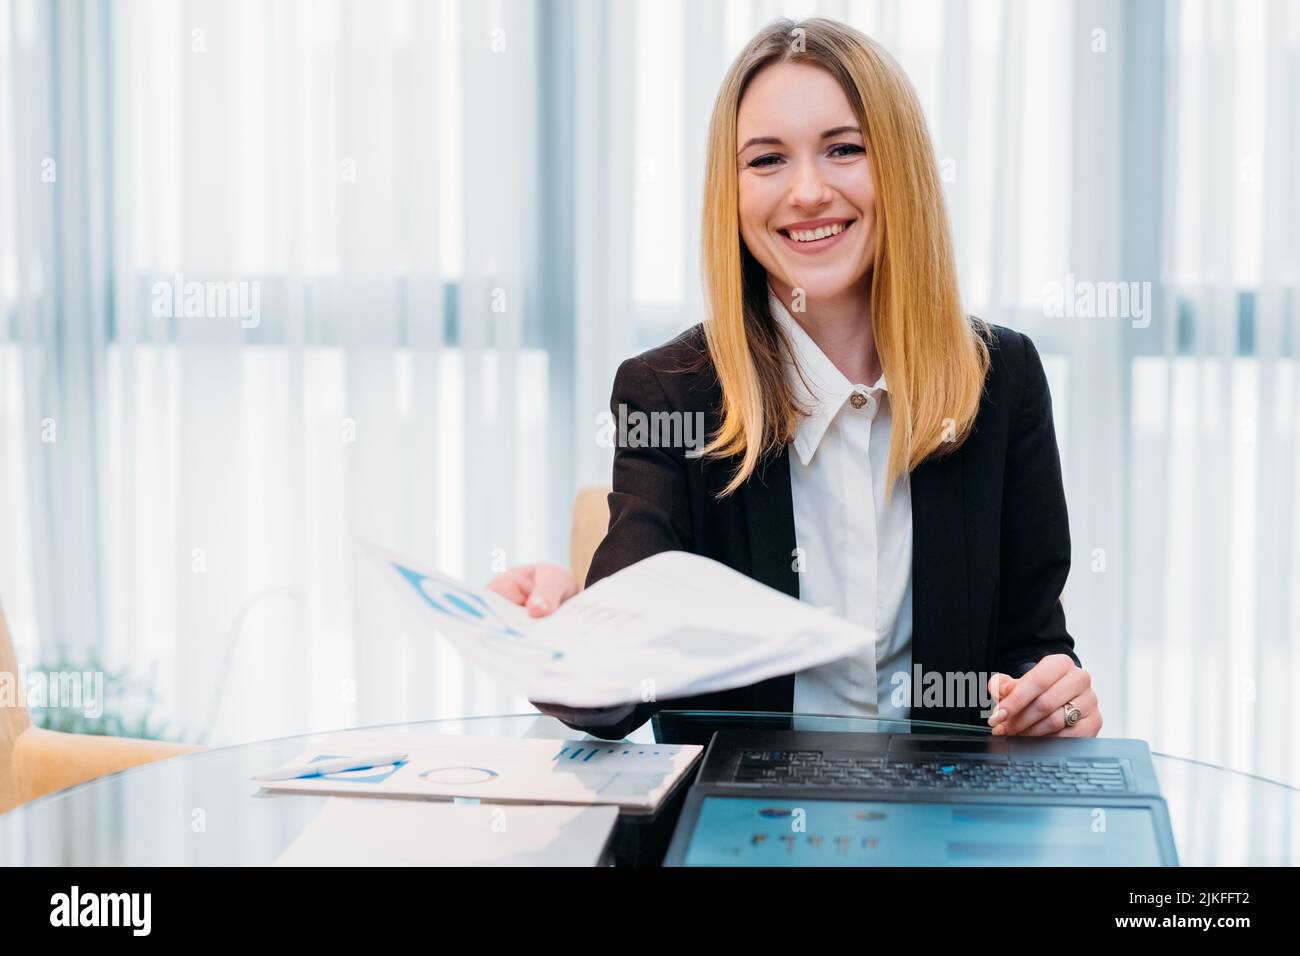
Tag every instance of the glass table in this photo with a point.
(205, 810)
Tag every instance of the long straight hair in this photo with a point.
(934, 357)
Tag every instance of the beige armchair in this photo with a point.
(34, 762)
(590, 522)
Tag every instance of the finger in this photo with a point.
(1090, 726)
(1040, 677)
(1073, 684)
(505, 585)
(999, 686)
(513, 584)
(552, 586)
(1054, 723)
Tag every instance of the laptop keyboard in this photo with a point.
(812, 768)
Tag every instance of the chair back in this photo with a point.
(14, 719)
(590, 522)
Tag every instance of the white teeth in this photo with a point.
(812, 235)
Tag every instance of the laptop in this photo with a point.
(808, 798)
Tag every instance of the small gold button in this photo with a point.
(858, 399)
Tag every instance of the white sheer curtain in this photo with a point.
(367, 170)
(1215, 477)
(461, 216)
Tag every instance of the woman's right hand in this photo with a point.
(540, 588)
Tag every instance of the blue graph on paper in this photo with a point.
(467, 608)
(581, 753)
(364, 775)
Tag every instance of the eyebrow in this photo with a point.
(775, 141)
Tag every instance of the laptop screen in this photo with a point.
(761, 831)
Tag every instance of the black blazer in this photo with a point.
(991, 541)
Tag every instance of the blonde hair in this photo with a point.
(934, 358)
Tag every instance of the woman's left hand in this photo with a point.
(1034, 705)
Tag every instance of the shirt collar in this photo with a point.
(822, 388)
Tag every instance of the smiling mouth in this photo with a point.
(811, 237)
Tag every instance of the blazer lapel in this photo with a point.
(769, 521)
(940, 596)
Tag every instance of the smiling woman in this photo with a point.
(832, 137)
(873, 450)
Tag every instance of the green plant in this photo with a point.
(124, 710)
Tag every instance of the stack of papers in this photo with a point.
(350, 832)
(633, 777)
(673, 625)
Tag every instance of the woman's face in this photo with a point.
(806, 196)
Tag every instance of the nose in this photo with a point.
(808, 189)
